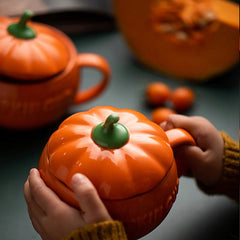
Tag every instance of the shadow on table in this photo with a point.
(24, 141)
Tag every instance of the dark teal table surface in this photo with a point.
(194, 214)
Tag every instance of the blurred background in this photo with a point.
(92, 27)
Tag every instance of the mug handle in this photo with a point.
(94, 61)
(177, 137)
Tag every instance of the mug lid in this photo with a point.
(30, 51)
(136, 166)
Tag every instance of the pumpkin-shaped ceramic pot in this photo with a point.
(128, 158)
(30, 51)
(39, 73)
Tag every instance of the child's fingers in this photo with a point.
(199, 127)
(43, 196)
(34, 211)
(88, 199)
(181, 121)
(163, 125)
(35, 221)
(191, 155)
(33, 207)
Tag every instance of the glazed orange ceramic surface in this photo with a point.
(27, 102)
(187, 39)
(33, 59)
(128, 178)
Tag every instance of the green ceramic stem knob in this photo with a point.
(110, 134)
(20, 30)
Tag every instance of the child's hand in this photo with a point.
(206, 159)
(51, 217)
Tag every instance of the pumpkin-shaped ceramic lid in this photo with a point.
(30, 51)
(122, 152)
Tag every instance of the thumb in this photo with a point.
(89, 200)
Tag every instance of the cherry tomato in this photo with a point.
(161, 114)
(182, 98)
(157, 93)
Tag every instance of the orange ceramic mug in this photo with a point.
(32, 103)
(128, 158)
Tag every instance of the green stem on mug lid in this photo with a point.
(110, 134)
(20, 29)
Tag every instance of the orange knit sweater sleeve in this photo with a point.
(108, 230)
(229, 182)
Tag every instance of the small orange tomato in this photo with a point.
(157, 93)
(182, 98)
(161, 114)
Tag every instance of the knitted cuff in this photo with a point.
(108, 230)
(229, 182)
